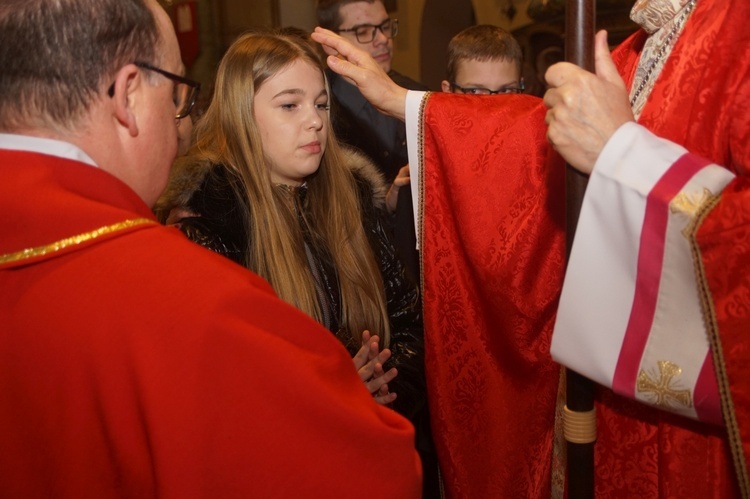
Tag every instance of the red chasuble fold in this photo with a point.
(724, 244)
(492, 256)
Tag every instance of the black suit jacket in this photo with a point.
(357, 123)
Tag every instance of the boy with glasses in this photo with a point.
(484, 60)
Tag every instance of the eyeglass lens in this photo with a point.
(184, 98)
(366, 34)
(487, 91)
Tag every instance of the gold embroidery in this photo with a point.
(72, 241)
(663, 391)
(690, 204)
(559, 446)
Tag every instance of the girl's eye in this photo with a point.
(322, 107)
(288, 107)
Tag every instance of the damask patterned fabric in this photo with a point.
(492, 260)
(492, 254)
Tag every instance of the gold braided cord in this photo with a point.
(420, 154)
(72, 241)
(579, 427)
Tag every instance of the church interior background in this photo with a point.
(206, 28)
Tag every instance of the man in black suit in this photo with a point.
(367, 25)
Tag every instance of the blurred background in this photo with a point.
(205, 28)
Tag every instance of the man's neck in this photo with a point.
(44, 144)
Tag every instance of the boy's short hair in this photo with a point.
(327, 12)
(483, 42)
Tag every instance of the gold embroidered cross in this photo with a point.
(663, 389)
(689, 203)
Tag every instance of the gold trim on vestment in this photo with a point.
(420, 208)
(420, 226)
(72, 241)
(712, 327)
(559, 461)
(690, 205)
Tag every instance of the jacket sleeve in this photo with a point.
(217, 223)
(405, 314)
(200, 231)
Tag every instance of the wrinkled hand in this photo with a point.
(369, 363)
(585, 109)
(402, 179)
(361, 69)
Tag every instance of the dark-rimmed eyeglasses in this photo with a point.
(183, 95)
(366, 33)
(486, 91)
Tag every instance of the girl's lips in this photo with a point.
(312, 147)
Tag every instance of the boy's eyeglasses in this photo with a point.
(486, 91)
(366, 33)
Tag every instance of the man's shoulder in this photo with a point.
(177, 254)
(406, 82)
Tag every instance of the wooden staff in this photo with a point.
(579, 417)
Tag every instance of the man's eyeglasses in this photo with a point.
(486, 91)
(365, 33)
(184, 93)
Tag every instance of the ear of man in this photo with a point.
(127, 87)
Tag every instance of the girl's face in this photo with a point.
(291, 111)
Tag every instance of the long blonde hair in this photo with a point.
(228, 134)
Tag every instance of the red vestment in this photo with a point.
(488, 368)
(492, 255)
(137, 364)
